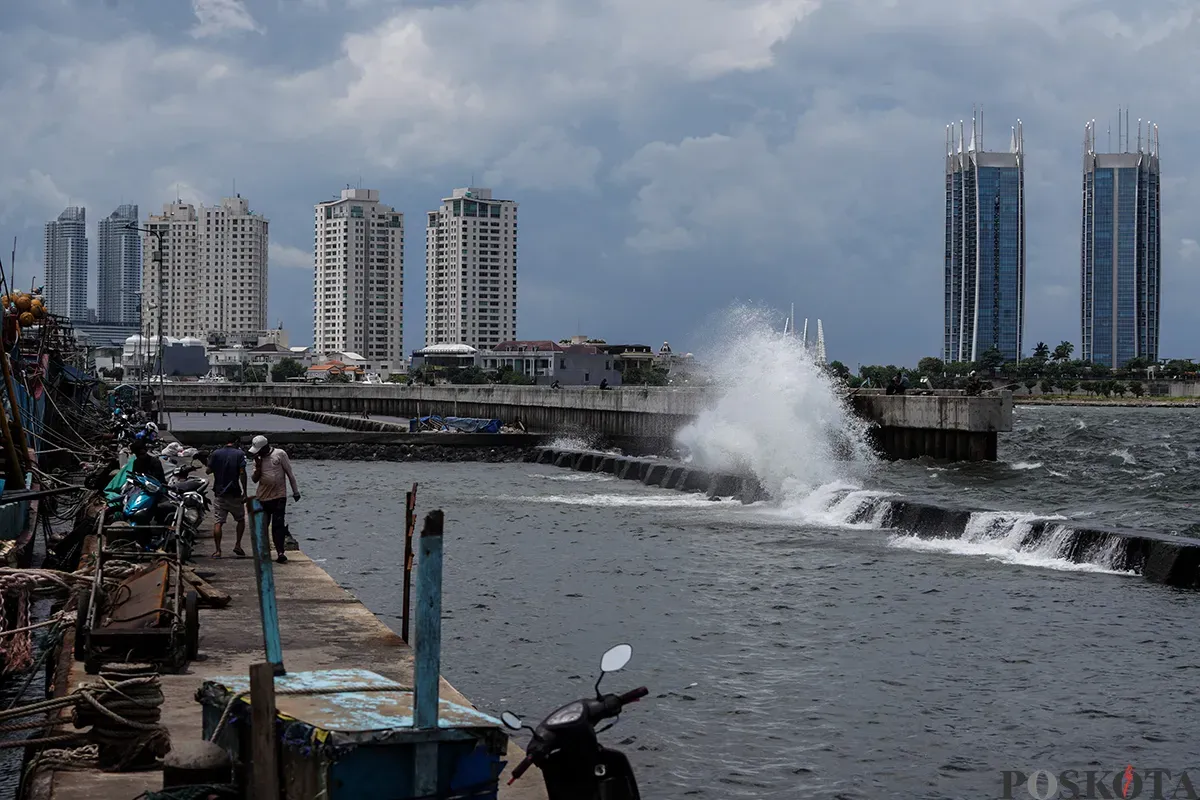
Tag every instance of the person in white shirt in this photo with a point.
(272, 473)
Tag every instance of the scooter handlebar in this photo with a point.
(633, 696)
(520, 770)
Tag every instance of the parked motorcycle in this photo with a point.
(179, 505)
(574, 764)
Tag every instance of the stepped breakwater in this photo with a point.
(1162, 558)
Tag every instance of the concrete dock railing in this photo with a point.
(940, 425)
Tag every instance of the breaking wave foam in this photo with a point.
(777, 413)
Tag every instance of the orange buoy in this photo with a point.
(26, 319)
(24, 303)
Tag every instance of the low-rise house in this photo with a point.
(321, 373)
(548, 362)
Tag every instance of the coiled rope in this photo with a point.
(122, 712)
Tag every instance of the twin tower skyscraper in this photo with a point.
(1120, 246)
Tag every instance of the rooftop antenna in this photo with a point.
(1139, 145)
(1110, 137)
(981, 127)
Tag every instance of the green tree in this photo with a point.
(1100, 370)
(1047, 387)
(991, 360)
(1041, 351)
(254, 374)
(931, 366)
(1137, 364)
(1068, 386)
(469, 376)
(642, 376)
(1117, 388)
(1063, 351)
(339, 377)
(288, 368)
(838, 370)
(398, 377)
(509, 376)
(1030, 384)
(1136, 389)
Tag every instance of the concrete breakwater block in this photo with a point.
(725, 486)
(585, 463)
(925, 520)
(655, 474)
(607, 464)
(696, 480)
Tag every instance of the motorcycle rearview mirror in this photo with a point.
(616, 658)
(613, 661)
(511, 721)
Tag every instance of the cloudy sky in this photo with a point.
(671, 157)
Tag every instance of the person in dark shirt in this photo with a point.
(146, 464)
(227, 465)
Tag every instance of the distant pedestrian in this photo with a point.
(272, 473)
(227, 465)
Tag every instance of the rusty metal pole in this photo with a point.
(410, 523)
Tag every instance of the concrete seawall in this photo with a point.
(941, 425)
(1162, 558)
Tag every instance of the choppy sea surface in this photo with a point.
(830, 659)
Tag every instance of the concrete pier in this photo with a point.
(1161, 558)
(944, 425)
(322, 626)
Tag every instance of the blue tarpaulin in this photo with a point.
(457, 424)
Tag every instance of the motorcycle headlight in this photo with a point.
(567, 715)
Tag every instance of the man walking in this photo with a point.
(227, 465)
(272, 472)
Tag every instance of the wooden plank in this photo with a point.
(137, 596)
(210, 596)
(264, 746)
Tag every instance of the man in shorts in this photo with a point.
(227, 465)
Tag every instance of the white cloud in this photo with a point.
(547, 160)
(32, 198)
(218, 17)
(282, 255)
(1189, 250)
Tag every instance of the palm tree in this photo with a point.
(1042, 351)
(1063, 351)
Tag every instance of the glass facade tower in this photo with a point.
(985, 246)
(119, 264)
(1121, 262)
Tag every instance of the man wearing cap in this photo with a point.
(272, 472)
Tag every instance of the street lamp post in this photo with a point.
(158, 262)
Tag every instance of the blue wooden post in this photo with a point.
(265, 574)
(427, 659)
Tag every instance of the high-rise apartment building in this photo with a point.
(358, 281)
(66, 264)
(1121, 263)
(471, 270)
(214, 272)
(985, 246)
(119, 267)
